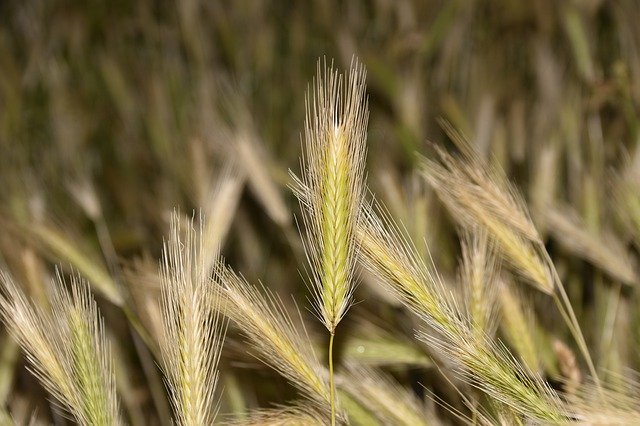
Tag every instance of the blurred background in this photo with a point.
(114, 113)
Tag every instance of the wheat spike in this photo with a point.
(389, 255)
(478, 273)
(192, 326)
(66, 348)
(296, 415)
(331, 189)
(518, 322)
(476, 200)
(568, 366)
(272, 333)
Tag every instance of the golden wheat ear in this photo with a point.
(332, 186)
(193, 326)
(66, 348)
(476, 200)
(482, 197)
(519, 324)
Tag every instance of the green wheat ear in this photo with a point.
(331, 189)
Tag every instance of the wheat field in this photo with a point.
(337, 213)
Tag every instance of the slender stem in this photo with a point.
(564, 305)
(332, 388)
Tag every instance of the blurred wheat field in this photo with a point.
(368, 212)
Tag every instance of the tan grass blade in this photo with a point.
(240, 138)
(220, 211)
(627, 202)
(332, 186)
(8, 360)
(193, 326)
(96, 273)
(604, 250)
(252, 157)
(67, 349)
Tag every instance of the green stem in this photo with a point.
(332, 388)
(566, 310)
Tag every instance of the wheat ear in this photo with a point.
(478, 272)
(478, 198)
(263, 319)
(192, 326)
(389, 255)
(331, 190)
(476, 201)
(66, 348)
(518, 324)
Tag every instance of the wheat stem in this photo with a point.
(332, 386)
(569, 316)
